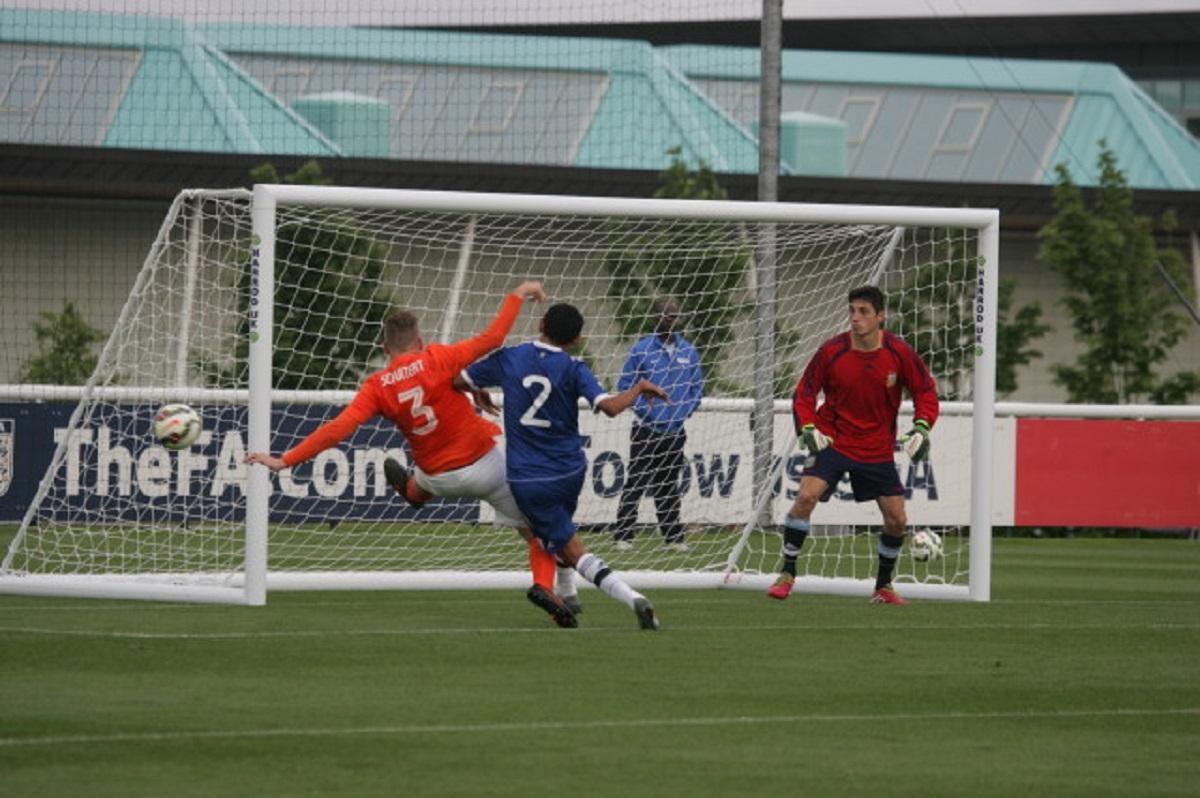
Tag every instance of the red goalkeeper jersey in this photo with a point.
(415, 393)
(862, 395)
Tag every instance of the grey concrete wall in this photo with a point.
(56, 250)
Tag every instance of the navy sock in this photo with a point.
(889, 552)
(795, 532)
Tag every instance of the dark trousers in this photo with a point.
(655, 463)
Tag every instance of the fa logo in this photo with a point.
(7, 425)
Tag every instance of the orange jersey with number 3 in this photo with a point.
(415, 393)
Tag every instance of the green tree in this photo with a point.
(65, 342)
(932, 309)
(330, 300)
(1121, 311)
(1014, 334)
(309, 174)
(691, 262)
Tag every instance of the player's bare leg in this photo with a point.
(795, 532)
(895, 520)
(598, 573)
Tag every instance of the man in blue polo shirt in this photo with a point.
(668, 360)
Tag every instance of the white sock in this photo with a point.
(565, 584)
(595, 571)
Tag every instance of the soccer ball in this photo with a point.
(926, 545)
(177, 426)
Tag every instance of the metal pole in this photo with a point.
(258, 432)
(1195, 239)
(1162, 272)
(987, 293)
(763, 420)
(192, 265)
(460, 278)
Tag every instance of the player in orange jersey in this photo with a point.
(453, 447)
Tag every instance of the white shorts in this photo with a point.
(485, 479)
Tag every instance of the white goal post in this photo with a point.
(262, 310)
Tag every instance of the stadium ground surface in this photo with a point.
(1079, 678)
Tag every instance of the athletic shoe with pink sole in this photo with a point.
(782, 587)
(886, 595)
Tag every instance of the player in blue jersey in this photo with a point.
(542, 386)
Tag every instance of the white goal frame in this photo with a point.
(268, 198)
(252, 585)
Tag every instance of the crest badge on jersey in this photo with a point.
(7, 445)
(891, 379)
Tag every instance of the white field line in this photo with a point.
(681, 598)
(506, 630)
(578, 726)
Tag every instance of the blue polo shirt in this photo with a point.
(674, 366)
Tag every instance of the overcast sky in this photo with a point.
(484, 12)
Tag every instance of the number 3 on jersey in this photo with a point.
(542, 386)
(419, 410)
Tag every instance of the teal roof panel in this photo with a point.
(1029, 114)
(133, 80)
(183, 95)
(1152, 148)
(629, 104)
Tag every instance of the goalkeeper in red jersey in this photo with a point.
(453, 448)
(862, 373)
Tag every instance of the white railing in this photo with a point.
(217, 396)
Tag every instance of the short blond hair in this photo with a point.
(400, 330)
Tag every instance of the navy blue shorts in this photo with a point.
(868, 480)
(550, 504)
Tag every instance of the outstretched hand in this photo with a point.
(530, 289)
(651, 392)
(262, 458)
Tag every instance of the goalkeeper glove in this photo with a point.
(916, 441)
(814, 440)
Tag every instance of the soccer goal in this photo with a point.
(262, 310)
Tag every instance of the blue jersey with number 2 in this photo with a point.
(542, 386)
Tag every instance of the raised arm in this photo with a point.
(470, 350)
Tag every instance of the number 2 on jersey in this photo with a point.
(529, 417)
(419, 410)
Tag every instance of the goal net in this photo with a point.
(263, 312)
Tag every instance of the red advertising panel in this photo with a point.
(1098, 472)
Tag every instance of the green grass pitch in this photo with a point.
(1079, 678)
